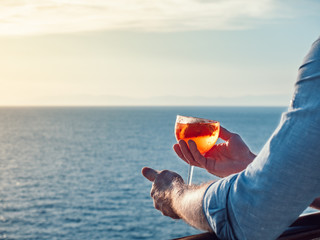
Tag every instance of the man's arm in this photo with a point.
(177, 200)
(180, 201)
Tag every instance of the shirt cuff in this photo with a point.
(215, 207)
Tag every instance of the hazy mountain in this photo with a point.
(107, 100)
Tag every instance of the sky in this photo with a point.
(146, 52)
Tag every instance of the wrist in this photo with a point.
(178, 191)
(187, 204)
(248, 159)
(252, 156)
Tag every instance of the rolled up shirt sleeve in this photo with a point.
(214, 206)
(264, 199)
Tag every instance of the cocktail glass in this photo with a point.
(203, 132)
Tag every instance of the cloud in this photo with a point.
(58, 16)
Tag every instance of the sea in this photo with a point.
(75, 172)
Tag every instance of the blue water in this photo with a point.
(75, 173)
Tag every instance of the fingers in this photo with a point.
(225, 134)
(187, 153)
(197, 156)
(177, 149)
(149, 173)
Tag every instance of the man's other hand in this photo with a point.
(166, 185)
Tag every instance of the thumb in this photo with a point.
(224, 134)
(149, 173)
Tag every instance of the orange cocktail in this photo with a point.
(203, 132)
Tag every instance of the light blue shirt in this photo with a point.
(264, 199)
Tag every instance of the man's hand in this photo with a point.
(223, 159)
(175, 199)
(166, 186)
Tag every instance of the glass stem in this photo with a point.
(190, 173)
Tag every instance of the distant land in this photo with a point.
(107, 100)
